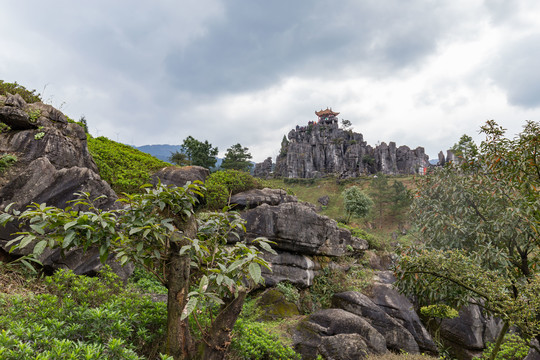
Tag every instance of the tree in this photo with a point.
(346, 124)
(480, 225)
(179, 158)
(158, 230)
(237, 158)
(357, 203)
(199, 153)
(381, 194)
(465, 149)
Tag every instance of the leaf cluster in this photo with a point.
(30, 96)
(237, 157)
(199, 153)
(220, 185)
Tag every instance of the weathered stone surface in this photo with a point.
(294, 268)
(533, 354)
(15, 101)
(50, 170)
(401, 309)
(343, 347)
(275, 306)
(255, 197)
(318, 149)
(309, 338)
(324, 200)
(179, 176)
(264, 169)
(16, 118)
(397, 337)
(296, 227)
(469, 333)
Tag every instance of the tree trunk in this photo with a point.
(499, 340)
(179, 344)
(219, 337)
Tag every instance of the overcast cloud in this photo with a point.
(418, 72)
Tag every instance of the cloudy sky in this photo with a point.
(417, 72)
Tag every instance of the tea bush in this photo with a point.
(82, 318)
(122, 166)
(222, 184)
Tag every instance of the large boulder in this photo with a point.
(255, 197)
(468, 334)
(397, 337)
(337, 334)
(389, 300)
(297, 228)
(53, 163)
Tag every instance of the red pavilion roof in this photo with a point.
(326, 112)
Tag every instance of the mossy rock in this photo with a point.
(274, 305)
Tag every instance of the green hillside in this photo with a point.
(122, 166)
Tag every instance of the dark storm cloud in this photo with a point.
(257, 43)
(516, 71)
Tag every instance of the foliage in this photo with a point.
(289, 291)
(220, 185)
(146, 282)
(346, 124)
(375, 242)
(83, 318)
(199, 153)
(440, 311)
(30, 96)
(284, 146)
(123, 167)
(179, 158)
(465, 149)
(480, 224)
(39, 135)
(356, 202)
(512, 348)
(6, 161)
(237, 158)
(221, 271)
(33, 115)
(252, 341)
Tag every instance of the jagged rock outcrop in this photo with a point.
(323, 148)
(299, 270)
(263, 170)
(52, 164)
(255, 197)
(297, 228)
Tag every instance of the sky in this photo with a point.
(416, 72)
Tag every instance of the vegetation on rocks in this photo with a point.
(221, 185)
(30, 96)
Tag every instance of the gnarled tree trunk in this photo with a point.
(218, 339)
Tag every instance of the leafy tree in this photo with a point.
(346, 124)
(357, 203)
(237, 158)
(465, 149)
(200, 153)
(480, 225)
(400, 199)
(179, 158)
(30, 96)
(158, 231)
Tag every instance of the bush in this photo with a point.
(222, 184)
(123, 167)
(512, 348)
(6, 161)
(84, 318)
(252, 341)
(30, 96)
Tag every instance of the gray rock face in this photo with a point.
(397, 337)
(263, 170)
(296, 269)
(401, 309)
(323, 148)
(533, 354)
(297, 228)
(255, 197)
(179, 176)
(48, 170)
(326, 330)
(469, 333)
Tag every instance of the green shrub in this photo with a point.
(513, 347)
(222, 184)
(123, 167)
(6, 161)
(252, 341)
(30, 96)
(83, 318)
(289, 291)
(146, 282)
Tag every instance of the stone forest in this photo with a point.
(224, 265)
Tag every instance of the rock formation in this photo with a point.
(323, 148)
(264, 169)
(52, 164)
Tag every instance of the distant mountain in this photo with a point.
(162, 152)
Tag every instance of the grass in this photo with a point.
(392, 356)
